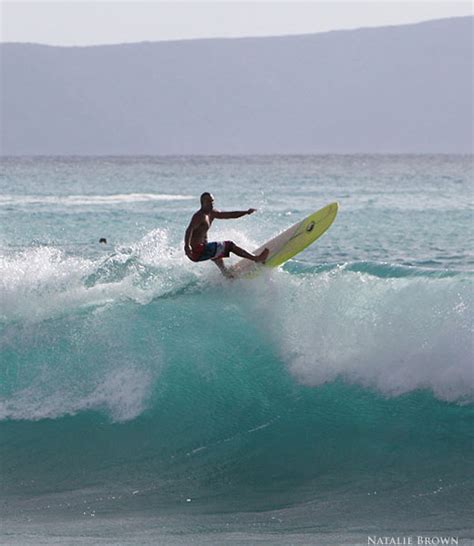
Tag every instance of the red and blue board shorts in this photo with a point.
(211, 251)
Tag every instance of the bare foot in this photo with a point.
(262, 256)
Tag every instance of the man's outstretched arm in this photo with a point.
(233, 214)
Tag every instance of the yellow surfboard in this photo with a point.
(291, 242)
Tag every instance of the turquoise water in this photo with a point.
(145, 399)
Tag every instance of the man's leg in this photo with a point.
(244, 254)
(220, 264)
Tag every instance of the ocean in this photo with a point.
(145, 399)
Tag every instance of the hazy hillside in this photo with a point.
(391, 89)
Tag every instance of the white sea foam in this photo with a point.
(394, 335)
(44, 282)
(75, 200)
(123, 393)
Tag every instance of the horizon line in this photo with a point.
(236, 155)
(228, 38)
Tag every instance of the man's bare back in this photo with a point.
(196, 245)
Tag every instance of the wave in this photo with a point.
(44, 281)
(76, 200)
(81, 334)
(393, 335)
(141, 381)
(377, 269)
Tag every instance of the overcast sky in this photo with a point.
(69, 22)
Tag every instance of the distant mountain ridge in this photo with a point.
(402, 89)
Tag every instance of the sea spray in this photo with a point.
(394, 335)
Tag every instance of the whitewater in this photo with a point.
(145, 399)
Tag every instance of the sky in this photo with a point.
(69, 22)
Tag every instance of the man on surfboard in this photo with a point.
(196, 245)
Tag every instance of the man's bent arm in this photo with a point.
(189, 233)
(233, 214)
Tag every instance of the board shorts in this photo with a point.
(211, 251)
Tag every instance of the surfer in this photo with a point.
(198, 249)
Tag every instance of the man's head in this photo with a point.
(207, 201)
